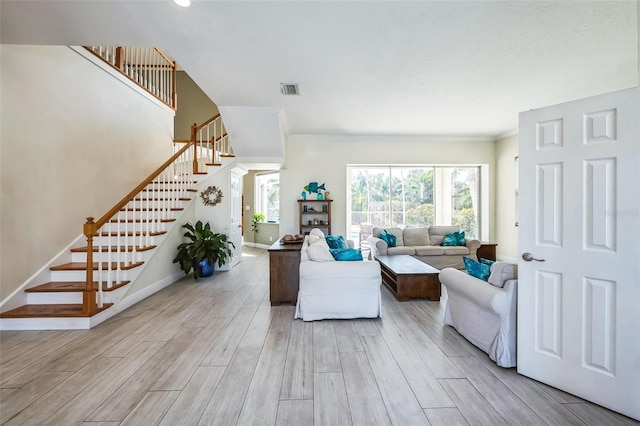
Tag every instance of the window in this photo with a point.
(268, 196)
(415, 196)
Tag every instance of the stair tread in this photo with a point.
(50, 311)
(82, 266)
(113, 249)
(71, 286)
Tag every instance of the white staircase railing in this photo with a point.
(148, 67)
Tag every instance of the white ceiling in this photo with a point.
(365, 68)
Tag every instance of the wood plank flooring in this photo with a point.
(214, 352)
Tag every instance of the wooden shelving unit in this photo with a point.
(312, 213)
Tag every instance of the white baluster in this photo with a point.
(118, 257)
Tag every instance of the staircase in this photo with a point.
(84, 285)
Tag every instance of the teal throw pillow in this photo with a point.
(487, 261)
(336, 242)
(454, 239)
(450, 239)
(346, 254)
(477, 269)
(388, 238)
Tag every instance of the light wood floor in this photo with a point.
(215, 352)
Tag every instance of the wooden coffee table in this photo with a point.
(408, 277)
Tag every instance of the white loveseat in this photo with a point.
(423, 243)
(337, 289)
(484, 312)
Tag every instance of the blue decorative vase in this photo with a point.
(319, 196)
(206, 268)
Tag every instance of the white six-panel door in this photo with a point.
(235, 229)
(579, 208)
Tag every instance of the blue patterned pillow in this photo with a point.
(454, 239)
(477, 269)
(450, 239)
(336, 242)
(388, 238)
(487, 261)
(346, 254)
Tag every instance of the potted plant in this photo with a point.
(204, 249)
(257, 218)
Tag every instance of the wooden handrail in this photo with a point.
(108, 215)
(206, 123)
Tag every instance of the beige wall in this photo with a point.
(193, 106)
(505, 213)
(74, 140)
(324, 159)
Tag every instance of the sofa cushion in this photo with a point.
(316, 231)
(389, 238)
(455, 250)
(429, 250)
(502, 272)
(437, 233)
(318, 249)
(346, 254)
(401, 250)
(320, 253)
(476, 269)
(395, 231)
(313, 239)
(414, 237)
(336, 242)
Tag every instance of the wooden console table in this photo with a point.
(284, 272)
(408, 277)
(487, 250)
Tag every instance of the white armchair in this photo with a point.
(484, 312)
(333, 289)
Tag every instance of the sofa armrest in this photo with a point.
(504, 302)
(473, 246)
(461, 284)
(378, 246)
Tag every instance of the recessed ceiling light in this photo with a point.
(182, 3)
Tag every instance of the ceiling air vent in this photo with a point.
(289, 89)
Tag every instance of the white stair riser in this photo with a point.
(104, 257)
(153, 216)
(54, 298)
(103, 241)
(126, 275)
(45, 323)
(135, 227)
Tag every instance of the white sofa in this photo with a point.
(337, 289)
(484, 312)
(423, 243)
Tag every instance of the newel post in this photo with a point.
(195, 151)
(89, 306)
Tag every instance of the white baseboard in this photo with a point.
(127, 302)
(257, 245)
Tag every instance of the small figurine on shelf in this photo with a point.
(319, 196)
(303, 195)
